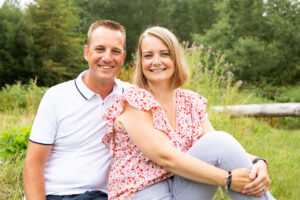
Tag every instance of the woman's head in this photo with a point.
(180, 74)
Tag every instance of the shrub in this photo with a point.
(14, 141)
(210, 75)
(288, 94)
(16, 96)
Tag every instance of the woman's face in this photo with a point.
(157, 64)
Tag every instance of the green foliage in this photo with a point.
(11, 182)
(211, 76)
(15, 41)
(183, 17)
(18, 96)
(287, 94)
(57, 49)
(260, 38)
(14, 141)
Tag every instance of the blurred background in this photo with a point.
(238, 51)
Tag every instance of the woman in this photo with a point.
(157, 130)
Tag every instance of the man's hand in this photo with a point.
(261, 181)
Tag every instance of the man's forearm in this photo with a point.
(34, 185)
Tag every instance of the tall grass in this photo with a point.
(211, 77)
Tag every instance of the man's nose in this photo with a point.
(107, 57)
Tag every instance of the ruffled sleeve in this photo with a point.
(199, 105)
(110, 115)
(140, 99)
(199, 114)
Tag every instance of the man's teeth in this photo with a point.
(106, 67)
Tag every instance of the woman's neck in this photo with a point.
(165, 94)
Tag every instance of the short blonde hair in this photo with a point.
(181, 71)
(109, 24)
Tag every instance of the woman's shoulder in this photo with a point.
(140, 98)
(190, 95)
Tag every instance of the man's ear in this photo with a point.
(86, 52)
(124, 56)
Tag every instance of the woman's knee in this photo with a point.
(216, 146)
(217, 138)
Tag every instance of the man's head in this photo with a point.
(105, 51)
(109, 24)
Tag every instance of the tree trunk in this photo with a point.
(261, 110)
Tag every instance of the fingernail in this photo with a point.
(244, 191)
(248, 194)
(252, 176)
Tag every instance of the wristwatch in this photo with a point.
(258, 159)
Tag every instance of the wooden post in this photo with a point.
(261, 110)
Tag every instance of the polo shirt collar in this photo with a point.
(87, 93)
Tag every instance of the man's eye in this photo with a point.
(117, 52)
(99, 49)
(148, 55)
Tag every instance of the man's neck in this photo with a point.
(102, 88)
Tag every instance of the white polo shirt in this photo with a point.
(70, 119)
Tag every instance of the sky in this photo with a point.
(22, 2)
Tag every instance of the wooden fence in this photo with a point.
(261, 110)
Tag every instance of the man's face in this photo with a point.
(105, 54)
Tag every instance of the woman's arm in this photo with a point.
(156, 145)
(259, 173)
(259, 176)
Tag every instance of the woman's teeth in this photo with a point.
(157, 70)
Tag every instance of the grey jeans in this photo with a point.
(217, 148)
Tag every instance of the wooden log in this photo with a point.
(261, 110)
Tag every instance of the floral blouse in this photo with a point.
(130, 169)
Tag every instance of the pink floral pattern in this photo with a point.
(130, 169)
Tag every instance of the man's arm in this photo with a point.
(33, 175)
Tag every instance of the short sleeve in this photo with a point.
(139, 99)
(199, 105)
(44, 127)
(198, 114)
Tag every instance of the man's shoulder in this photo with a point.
(123, 84)
(62, 87)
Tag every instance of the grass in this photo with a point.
(11, 178)
(279, 146)
(276, 139)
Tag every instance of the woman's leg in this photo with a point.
(157, 191)
(221, 150)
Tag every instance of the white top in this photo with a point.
(70, 118)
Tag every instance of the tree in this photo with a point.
(182, 17)
(57, 49)
(260, 38)
(15, 40)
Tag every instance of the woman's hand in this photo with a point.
(240, 178)
(260, 180)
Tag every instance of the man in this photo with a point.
(66, 158)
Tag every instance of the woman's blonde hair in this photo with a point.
(181, 71)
